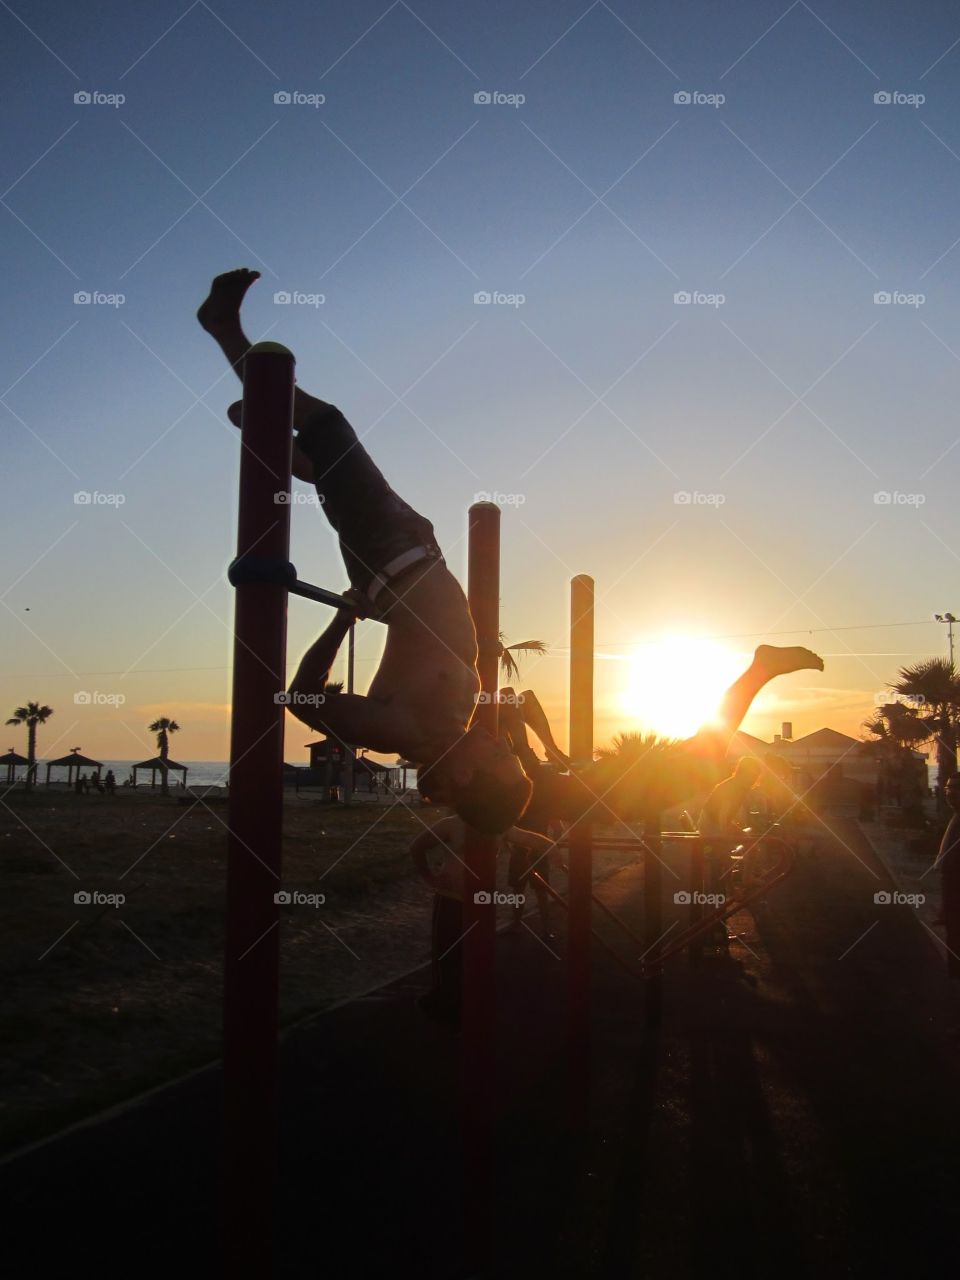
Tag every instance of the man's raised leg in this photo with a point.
(769, 661)
(704, 759)
(219, 315)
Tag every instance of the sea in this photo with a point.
(200, 773)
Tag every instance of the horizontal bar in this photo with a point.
(633, 842)
(247, 569)
(322, 596)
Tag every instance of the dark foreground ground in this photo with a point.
(794, 1116)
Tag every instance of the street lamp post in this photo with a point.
(949, 619)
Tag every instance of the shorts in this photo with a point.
(381, 536)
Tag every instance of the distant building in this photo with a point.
(369, 776)
(827, 750)
(824, 751)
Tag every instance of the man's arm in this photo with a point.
(535, 843)
(531, 840)
(314, 670)
(356, 720)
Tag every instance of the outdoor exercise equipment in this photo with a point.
(264, 577)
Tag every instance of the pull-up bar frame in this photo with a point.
(255, 819)
(264, 577)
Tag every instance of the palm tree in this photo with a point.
(508, 663)
(31, 714)
(935, 684)
(897, 724)
(897, 728)
(633, 775)
(162, 727)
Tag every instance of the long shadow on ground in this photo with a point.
(794, 1116)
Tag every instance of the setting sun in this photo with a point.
(674, 684)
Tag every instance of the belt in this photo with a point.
(406, 560)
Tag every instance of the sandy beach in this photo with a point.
(134, 986)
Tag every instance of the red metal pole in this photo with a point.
(255, 820)
(580, 856)
(695, 950)
(478, 1086)
(653, 920)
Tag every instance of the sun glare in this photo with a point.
(674, 685)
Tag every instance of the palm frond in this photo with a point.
(31, 712)
(933, 680)
(508, 663)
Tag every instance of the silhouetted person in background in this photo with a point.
(721, 817)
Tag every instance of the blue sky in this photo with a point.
(595, 401)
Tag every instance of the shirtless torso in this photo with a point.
(428, 672)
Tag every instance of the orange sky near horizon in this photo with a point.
(119, 732)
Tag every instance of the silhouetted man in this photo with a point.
(423, 695)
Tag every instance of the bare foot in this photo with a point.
(221, 310)
(301, 465)
(777, 660)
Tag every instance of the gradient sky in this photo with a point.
(596, 401)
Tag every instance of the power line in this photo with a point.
(622, 644)
(797, 631)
